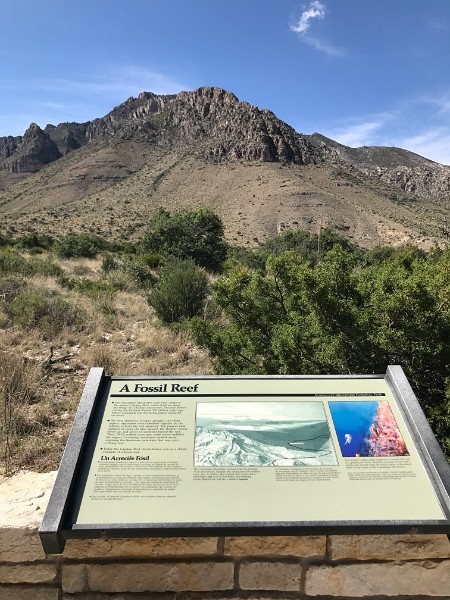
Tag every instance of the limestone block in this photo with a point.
(276, 545)
(129, 577)
(121, 596)
(20, 545)
(389, 547)
(356, 581)
(270, 576)
(140, 547)
(38, 573)
(74, 578)
(23, 500)
(28, 593)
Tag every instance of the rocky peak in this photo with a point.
(28, 153)
(230, 129)
(213, 122)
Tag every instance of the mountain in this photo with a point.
(205, 147)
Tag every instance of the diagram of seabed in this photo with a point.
(262, 434)
(367, 428)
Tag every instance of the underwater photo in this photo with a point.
(367, 428)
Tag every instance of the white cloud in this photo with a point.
(360, 134)
(323, 46)
(316, 10)
(121, 81)
(83, 98)
(433, 144)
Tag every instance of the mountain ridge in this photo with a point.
(147, 142)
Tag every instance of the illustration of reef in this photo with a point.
(367, 428)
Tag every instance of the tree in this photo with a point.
(196, 234)
(339, 315)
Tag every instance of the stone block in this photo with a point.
(389, 547)
(28, 593)
(423, 579)
(141, 547)
(132, 577)
(280, 576)
(120, 596)
(276, 545)
(37, 573)
(20, 545)
(74, 578)
(23, 500)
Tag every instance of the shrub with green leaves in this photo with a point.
(35, 242)
(11, 262)
(195, 234)
(338, 316)
(180, 292)
(44, 309)
(79, 245)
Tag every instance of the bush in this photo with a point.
(45, 310)
(195, 234)
(79, 245)
(180, 292)
(35, 241)
(140, 271)
(14, 263)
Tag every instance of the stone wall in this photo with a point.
(287, 568)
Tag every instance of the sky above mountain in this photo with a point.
(363, 72)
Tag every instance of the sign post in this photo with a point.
(235, 455)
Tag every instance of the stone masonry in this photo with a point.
(204, 568)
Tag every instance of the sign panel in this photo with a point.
(174, 456)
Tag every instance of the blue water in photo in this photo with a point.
(352, 419)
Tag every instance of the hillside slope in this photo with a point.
(208, 148)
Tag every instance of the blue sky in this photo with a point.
(363, 72)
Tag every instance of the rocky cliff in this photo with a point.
(406, 170)
(213, 124)
(27, 153)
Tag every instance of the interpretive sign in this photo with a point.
(237, 455)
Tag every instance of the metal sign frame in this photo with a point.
(58, 523)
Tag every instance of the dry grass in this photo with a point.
(42, 377)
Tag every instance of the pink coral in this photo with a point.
(384, 437)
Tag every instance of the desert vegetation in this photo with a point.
(180, 300)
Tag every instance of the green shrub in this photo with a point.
(43, 309)
(78, 245)
(88, 287)
(180, 292)
(140, 271)
(109, 263)
(195, 234)
(11, 262)
(35, 241)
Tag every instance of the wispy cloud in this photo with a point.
(363, 133)
(432, 143)
(84, 97)
(323, 46)
(440, 101)
(123, 81)
(428, 137)
(315, 10)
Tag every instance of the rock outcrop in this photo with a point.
(214, 124)
(28, 153)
